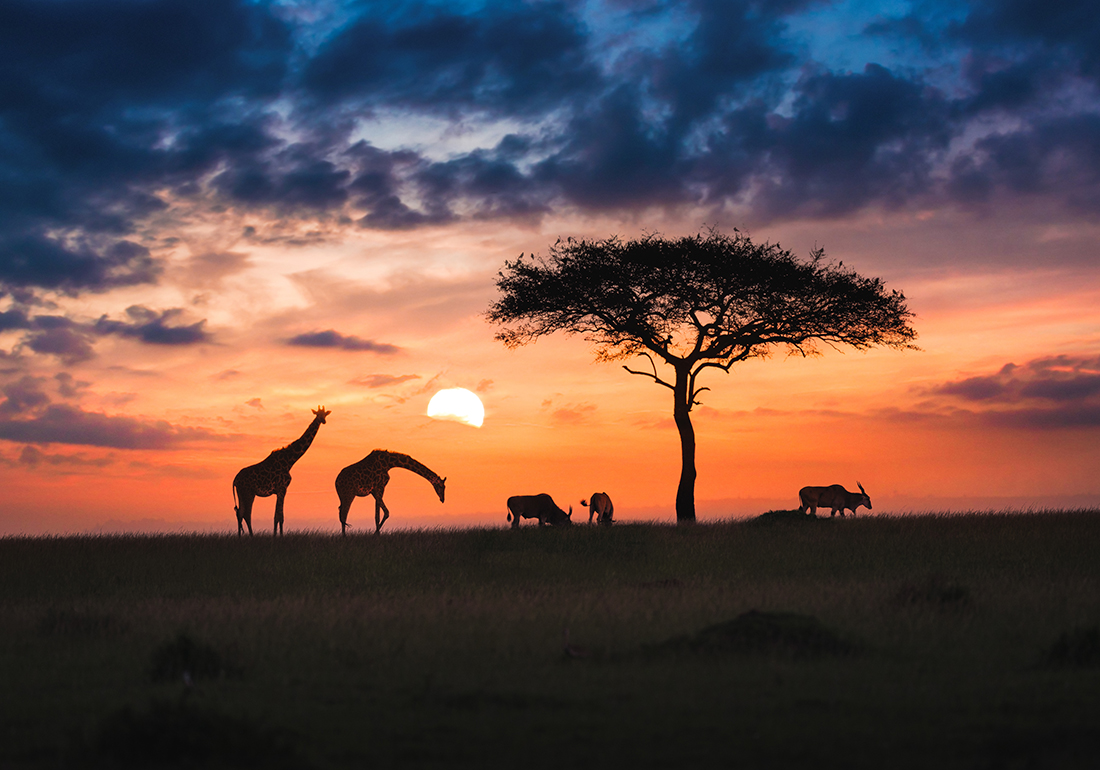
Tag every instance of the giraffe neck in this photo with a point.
(398, 460)
(290, 454)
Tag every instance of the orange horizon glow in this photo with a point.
(557, 422)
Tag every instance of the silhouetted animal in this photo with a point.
(370, 475)
(272, 476)
(541, 507)
(599, 505)
(835, 497)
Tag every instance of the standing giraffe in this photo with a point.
(272, 476)
(370, 475)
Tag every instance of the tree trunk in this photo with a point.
(685, 493)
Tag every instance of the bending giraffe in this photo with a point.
(272, 476)
(370, 475)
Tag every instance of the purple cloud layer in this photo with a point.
(720, 104)
(1051, 392)
(29, 414)
(334, 339)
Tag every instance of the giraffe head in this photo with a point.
(321, 413)
(439, 490)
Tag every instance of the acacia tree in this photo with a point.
(699, 302)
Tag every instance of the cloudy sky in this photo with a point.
(217, 215)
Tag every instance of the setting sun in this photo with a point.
(458, 405)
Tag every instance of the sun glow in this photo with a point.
(457, 404)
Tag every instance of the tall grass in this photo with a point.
(448, 646)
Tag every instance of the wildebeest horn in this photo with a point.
(861, 489)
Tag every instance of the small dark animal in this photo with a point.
(541, 507)
(835, 497)
(599, 505)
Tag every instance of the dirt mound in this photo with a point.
(784, 634)
(783, 517)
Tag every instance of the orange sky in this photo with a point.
(556, 421)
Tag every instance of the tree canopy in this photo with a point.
(703, 301)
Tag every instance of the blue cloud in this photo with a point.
(154, 328)
(333, 339)
(1050, 392)
(108, 109)
(29, 415)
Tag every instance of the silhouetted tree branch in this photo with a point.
(704, 301)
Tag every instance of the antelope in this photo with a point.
(599, 505)
(835, 497)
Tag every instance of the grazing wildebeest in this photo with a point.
(541, 507)
(835, 497)
(599, 505)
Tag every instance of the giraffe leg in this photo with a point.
(244, 511)
(279, 512)
(380, 507)
(345, 506)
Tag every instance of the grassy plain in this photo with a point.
(960, 642)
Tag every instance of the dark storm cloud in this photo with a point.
(853, 139)
(613, 158)
(1070, 416)
(69, 343)
(72, 341)
(1058, 157)
(101, 104)
(23, 395)
(509, 58)
(29, 415)
(152, 327)
(733, 41)
(1050, 392)
(295, 179)
(1053, 378)
(1048, 29)
(66, 424)
(379, 182)
(29, 258)
(16, 318)
(50, 334)
(113, 110)
(334, 339)
(488, 180)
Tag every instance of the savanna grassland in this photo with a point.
(919, 641)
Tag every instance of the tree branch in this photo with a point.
(692, 400)
(656, 379)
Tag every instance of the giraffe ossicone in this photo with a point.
(271, 476)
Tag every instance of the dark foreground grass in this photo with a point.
(930, 641)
